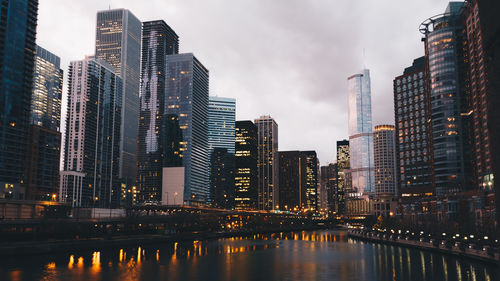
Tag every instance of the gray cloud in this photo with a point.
(287, 58)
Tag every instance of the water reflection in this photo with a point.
(316, 255)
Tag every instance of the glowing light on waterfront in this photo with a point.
(71, 261)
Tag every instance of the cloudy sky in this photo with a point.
(286, 58)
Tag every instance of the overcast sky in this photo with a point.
(286, 58)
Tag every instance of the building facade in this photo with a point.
(413, 131)
(343, 164)
(158, 41)
(384, 160)
(92, 143)
(450, 111)
(360, 140)
(267, 162)
(118, 42)
(18, 20)
(221, 149)
(187, 101)
(45, 144)
(245, 172)
(328, 183)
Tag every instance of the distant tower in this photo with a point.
(118, 42)
(158, 41)
(343, 164)
(267, 163)
(360, 139)
(221, 122)
(45, 145)
(92, 142)
(245, 174)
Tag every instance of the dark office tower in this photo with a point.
(413, 131)
(384, 160)
(267, 163)
(158, 41)
(17, 56)
(293, 192)
(450, 113)
(92, 142)
(221, 119)
(328, 182)
(311, 178)
(343, 164)
(187, 97)
(245, 172)
(45, 144)
(118, 42)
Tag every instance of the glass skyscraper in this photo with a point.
(221, 148)
(18, 19)
(384, 160)
(343, 164)
(186, 100)
(360, 134)
(158, 41)
(268, 163)
(118, 42)
(245, 175)
(450, 114)
(92, 143)
(45, 144)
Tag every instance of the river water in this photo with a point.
(306, 255)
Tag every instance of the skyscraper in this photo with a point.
(328, 183)
(245, 173)
(343, 164)
(450, 113)
(267, 162)
(187, 99)
(18, 21)
(413, 131)
(92, 142)
(221, 145)
(384, 160)
(118, 42)
(45, 144)
(158, 41)
(360, 139)
(310, 160)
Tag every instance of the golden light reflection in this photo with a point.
(121, 255)
(96, 262)
(80, 262)
(157, 255)
(71, 261)
(51, 265)
(139, 255)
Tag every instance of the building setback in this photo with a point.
(18, 21)
(413, 131)
(186, 101)
(158, 41)
(245, 173)
(221, 149)
(360, 142)
(118, 42)
(450, 113)
(267, 163)
(45, 144)
(92, 142)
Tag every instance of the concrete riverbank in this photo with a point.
(483, 253)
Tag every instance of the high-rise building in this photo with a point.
(118, 42)
(92, 141)
(413, 130)
(298, 174)
(221, 148)
(450, 112)
(18, 21)
(327, 185)
(360, 141)
(245, 172)
(158, 41)
(384, 160)
(186, 100)
(45, 144)
(340, 187)
(267, 163)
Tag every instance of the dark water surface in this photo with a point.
(307, 255)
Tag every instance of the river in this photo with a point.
(307, 255)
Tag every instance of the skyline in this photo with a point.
(262, 80)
